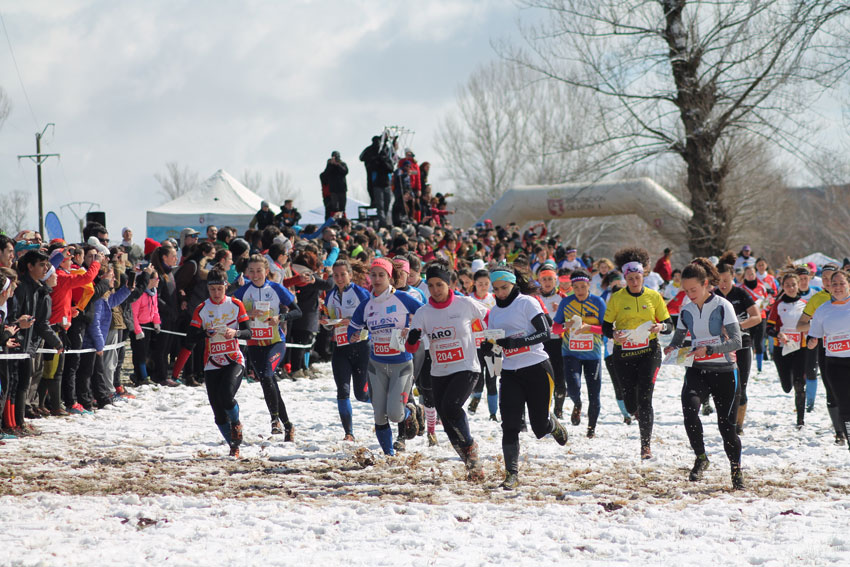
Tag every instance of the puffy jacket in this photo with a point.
(334, 176)
(33, 298)
(145, 310)
(66, 282)
(96, 332)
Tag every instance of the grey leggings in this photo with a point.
(389, 384)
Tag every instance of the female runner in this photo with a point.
(782, 326)
(582, 347)
(749, 316)
(269, 305)
(551, 298)
(390, 369)
(637, 360)
(220, 320)
(449, 322)
(715, 336)
(349, 361)
(831, 323)
(527, 377)
(489, 378)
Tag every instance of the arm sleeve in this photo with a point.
(293, 313)
(608, 329)
(332, 257)
(733, 341)
(540, 334)
(668, 326)
(678, 337)
(79, 280)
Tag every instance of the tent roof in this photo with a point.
(220, 194)
(819, 259)
(317, 216)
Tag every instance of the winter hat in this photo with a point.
(23, 246)
(49, 273)
(93, 241)
(478, 264)
(57, 256)
(238, 246)
(150, 246)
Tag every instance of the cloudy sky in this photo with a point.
(265, 86)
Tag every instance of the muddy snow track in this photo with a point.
(164, 443)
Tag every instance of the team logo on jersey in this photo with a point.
(391, 308)
(442, 333)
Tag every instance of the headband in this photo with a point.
(402, 264)
(502, 276)
(829, 268)
(571, 250)
(547, 270)
(632, 267)
(438, 272)
(580, 279)
(216, 282)
(384, 264)
(565, 278)
(6, 285)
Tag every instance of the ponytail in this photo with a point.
(702, 270)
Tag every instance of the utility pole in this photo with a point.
(40, 158)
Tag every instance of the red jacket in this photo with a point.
(664, 268)
(62, 312)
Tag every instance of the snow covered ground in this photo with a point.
(147, 482)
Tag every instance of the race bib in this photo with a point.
(793, 336)
(515, 351)
(224, 347)
(581, 342)
(713, 341)
(384, 348)
(446, 355)
(341, 336)
(260, 332)
(837, 343)
(629, 344)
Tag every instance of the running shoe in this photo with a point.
(234, 451)
(840, 438)
(7, 436)
(591, 432)
(121, 391)
(559, 432)
(700, 465)
(493, 417)
(236, 433)
(645, 452)
(737, 478)
(78, 409)
(60, 412)
(627, 420)
(575, 418)
(348, 437)
(411, 423)
(398, 445)
(420, 419)
(277, 427)
(473, 405)
(511, 481)
(289, 429)
(170, 383)
(473, 466)
(432, 439)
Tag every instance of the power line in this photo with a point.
(17, 70)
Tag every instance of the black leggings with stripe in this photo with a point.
(636, 371)
(530, 387)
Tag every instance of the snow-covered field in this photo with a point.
(147, 483)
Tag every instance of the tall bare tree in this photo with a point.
(14, 208)
(281, 187)
(253, 180)
(682, 76)
(176, 180)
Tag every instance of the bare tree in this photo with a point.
(176, 180)
(14, 208)
(5, 106)
(253, 180)
(681, 77)
(280, 188)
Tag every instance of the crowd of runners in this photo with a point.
(421, 320)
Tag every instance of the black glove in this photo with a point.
(507, 342)
(486, 348)
(413, 336)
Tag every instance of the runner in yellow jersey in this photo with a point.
(633, 318)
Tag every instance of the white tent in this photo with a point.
(220, 200)
(317, 216)
(818, 258)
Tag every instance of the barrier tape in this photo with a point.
(22, 356)
(241, 342)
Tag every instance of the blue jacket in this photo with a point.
(97, 331)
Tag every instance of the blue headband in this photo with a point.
(502, 276)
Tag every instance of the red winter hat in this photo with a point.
(151, 245)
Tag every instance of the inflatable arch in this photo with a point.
(642, 196)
